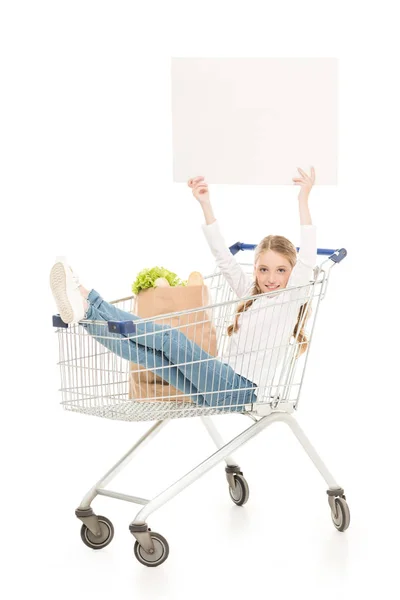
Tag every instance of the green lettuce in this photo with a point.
(146, 278)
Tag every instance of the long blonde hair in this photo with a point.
(283, 246)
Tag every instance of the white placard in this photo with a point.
(254, 120)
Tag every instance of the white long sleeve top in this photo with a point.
(258, 347)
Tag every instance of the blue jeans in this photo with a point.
(172, 356)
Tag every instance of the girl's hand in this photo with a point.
(306, 181)
(199, 189)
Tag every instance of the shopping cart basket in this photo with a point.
(97, 376)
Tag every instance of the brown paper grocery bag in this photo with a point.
(197, 326)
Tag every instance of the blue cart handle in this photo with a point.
(335, 255)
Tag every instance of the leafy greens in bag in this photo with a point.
(147, 278)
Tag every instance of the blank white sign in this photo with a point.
(254, 120)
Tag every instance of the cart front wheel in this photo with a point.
(341, 519)
(160, 554)
(98, 541)
(240, 494)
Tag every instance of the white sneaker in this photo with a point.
(65, 287)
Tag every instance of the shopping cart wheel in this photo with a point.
(341, 516)
(240, 494)
(102, 540)
(160, 554)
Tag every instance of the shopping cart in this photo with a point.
(97, 380)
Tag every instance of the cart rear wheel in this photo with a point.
(161, 551)
(240, 494)
(341, 519)
(101, 541)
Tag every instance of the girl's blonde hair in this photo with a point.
(283, 246)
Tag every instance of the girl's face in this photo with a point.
(272, 271)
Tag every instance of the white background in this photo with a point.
(86, 171)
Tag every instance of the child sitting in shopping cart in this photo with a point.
(234, 381)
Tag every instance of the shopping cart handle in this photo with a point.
(58, 322)
(324, 251)
(122, 327)
(240, 246)
(338, 255)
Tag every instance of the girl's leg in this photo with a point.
(219, 384)
(108, 311)
(155, 360)
(169, 349)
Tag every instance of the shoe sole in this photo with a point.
(58, 283)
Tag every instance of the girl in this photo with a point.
(230, 383)
(274, 317)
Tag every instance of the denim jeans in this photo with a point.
(171, 355)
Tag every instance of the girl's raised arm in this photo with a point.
(201, 193)
(306, 182)
(236, 277)
(306, 260)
